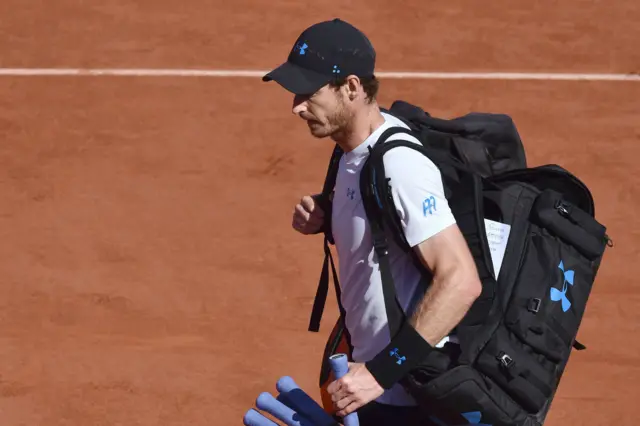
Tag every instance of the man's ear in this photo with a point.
(352, 87)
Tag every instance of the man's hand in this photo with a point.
(355, 389)
(308, 217)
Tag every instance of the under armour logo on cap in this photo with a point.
(302, 48)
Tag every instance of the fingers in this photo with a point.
(302, 214)
(304, 226)
(353, 406)
(343, 396)
(297, 225)
(339, 390)
(308, 203)
(355, 389)
(308, 218)
(344, 403)
(334, 387)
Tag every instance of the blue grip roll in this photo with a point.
(340, 366)
(254, 418)
(267, 402)
(292, 395)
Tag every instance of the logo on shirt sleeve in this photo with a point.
(429, 206)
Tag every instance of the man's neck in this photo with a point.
(361, 127)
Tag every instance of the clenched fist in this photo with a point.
(355, 389)
(308, 217)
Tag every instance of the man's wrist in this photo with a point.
(406, 350)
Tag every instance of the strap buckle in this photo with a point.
(534, 305)
(380, 245)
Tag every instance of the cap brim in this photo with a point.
(297, 80)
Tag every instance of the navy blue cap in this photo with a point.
(325, 51)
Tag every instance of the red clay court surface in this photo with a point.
(148, 271)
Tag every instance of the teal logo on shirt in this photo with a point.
(429, 206)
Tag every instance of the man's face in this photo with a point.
(325, 112)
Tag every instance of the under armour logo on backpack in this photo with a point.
(400, 359)
(473, 417)
(429, 206)
(557, 295)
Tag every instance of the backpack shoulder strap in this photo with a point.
(326, 196)
(325, 200)
(378, 206)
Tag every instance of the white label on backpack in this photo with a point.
(498, 235)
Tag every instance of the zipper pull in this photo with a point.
(564, 209)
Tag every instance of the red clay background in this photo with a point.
(148, 270)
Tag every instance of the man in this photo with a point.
(330, 72)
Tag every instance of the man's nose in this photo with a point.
(299, 104)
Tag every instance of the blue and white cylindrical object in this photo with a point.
(267, 402)
(292, 395)
(340, 366)
(255, 418)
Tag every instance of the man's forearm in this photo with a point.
(444, 305)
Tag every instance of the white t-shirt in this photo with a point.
(419, 199)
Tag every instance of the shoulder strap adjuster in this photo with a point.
(380, 245)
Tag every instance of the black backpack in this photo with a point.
(516, 339)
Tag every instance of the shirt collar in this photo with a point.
(362, 150)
